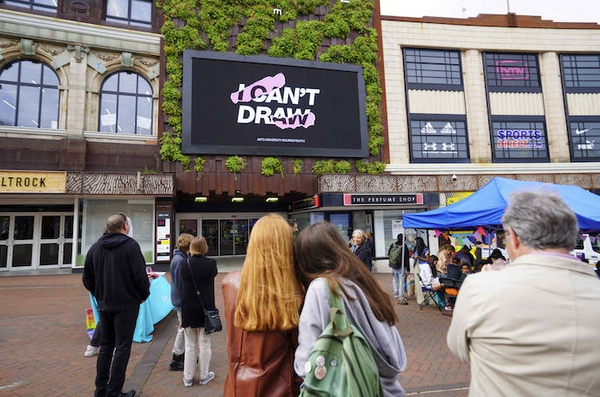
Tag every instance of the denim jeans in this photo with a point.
(117, 335)
(399, 281)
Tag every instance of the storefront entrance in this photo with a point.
(36, 240)
(225, 237)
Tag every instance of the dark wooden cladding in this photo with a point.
(76, 155)
(217, 179)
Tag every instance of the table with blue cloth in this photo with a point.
(154, 309)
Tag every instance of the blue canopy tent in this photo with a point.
(486, 206)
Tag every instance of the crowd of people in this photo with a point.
(278, 305)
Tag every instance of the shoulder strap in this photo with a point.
(337, 315)
(195, 285)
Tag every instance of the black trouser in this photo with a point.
(117, 335)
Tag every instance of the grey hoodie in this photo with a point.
(384, 339)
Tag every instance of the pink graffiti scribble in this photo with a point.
(305, 120)
(261, 87)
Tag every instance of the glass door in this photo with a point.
(4, 233)
(23, 241)
(210, 231)
(56, 239)
(234, 236)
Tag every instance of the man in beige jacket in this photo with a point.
(532, 328)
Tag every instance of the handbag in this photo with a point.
(212, 321)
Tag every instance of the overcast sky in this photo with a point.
(557, 10)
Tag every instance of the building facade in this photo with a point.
(79, 104)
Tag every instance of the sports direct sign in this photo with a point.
(255, 105)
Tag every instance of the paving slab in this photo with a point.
(43, 338)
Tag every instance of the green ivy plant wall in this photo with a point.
(342, 28)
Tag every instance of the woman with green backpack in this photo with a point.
(343, 300)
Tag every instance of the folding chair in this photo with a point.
(451, 286)
(426, 295)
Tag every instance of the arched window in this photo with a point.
(126, 104)
(29, 95)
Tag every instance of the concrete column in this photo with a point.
(476, 105)
(76, 92)
(556, 120)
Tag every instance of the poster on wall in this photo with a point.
(258, 105)
(163, 236)
(397, 227)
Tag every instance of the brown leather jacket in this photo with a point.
(260, 363)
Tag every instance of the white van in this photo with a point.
(590, 251)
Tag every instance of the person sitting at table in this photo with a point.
(465, 270)
(197, 274)
(498, 261)
(262, 307)
(445, 258)
(429, 278)
(180, 256)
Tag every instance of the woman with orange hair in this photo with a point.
(262, 307)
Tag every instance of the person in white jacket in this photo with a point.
(532, 328)
(322, 257)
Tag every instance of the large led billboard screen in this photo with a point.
(257, 105)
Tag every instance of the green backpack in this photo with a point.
(341, 363)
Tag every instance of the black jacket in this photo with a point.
(204, 271)
(364, 253)
(115, 272)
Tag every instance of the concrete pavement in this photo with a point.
(43, 338)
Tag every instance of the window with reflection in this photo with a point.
(584, 136)
(130, 12)
(581, 72)
(126, 104)
(432, 69)
(40, 5)
(511, 72)
(29, 95)
(519, 139)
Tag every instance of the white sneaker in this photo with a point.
(209, 377)
(91, 351)
(188, 383)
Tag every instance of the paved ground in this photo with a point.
(43, 338)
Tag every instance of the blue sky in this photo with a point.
(557, 10)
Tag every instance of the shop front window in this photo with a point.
(584, 136)
(432, 69)
(511, 72)
(520, 139)
(141, 213)
(438, 138)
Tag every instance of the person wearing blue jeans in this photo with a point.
(115, 273)
(399, 262)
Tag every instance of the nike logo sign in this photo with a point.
(579, 132)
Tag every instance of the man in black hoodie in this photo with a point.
(115, 273)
